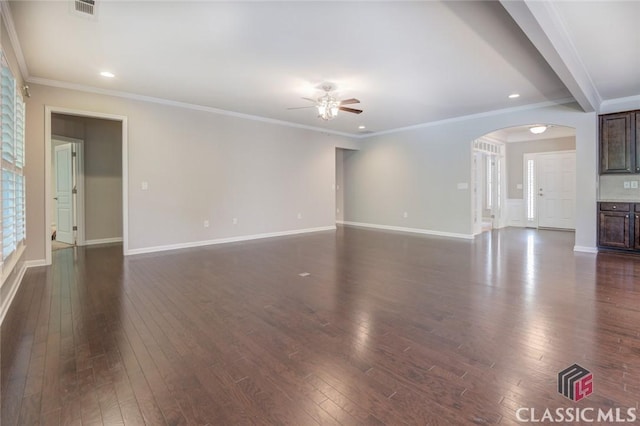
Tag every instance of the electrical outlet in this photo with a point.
(144, 185)
(634, 184)
(627, 184)
(235, 220)
(405, 215)
(206, 223)
(519, 186)
(337, 210)
(299, 215)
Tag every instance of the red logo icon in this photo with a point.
(575, 382)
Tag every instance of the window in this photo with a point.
(530, 188)
(489, 189)
(12, 158)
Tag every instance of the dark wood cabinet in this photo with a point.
(636, 228)
(618, 150)
(615, 225)
(636, 135)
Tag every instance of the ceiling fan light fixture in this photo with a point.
(536, 130)
(328, 108)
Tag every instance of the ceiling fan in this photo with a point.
(328, 105)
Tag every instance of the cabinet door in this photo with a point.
(617, 152)
(635, 133)
(636, 236)
(613, 229)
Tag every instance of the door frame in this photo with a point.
(48, 204)
(78, 200)
(533, 156)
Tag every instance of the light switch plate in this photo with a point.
(627, 184)
(634, 184)
(519, 186)
(463, 185)
(145, 185)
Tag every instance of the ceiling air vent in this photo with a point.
(86, 8)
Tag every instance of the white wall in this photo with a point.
(199, 166)
(417, 171)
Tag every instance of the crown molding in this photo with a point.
(620, 104)
(7, 17)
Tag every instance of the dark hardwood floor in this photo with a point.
(386, 329)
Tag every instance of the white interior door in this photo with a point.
(556, 178)
(64, 193)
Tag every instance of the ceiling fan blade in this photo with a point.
(349, 101)
(313, 106)
(353, 110)
(309, 99)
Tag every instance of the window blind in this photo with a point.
(12, 126)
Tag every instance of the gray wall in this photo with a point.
(417, 171)
(102, 171)
(199, 166)
(515, 155)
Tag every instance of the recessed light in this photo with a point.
(361, 127)
(107, 74)
(514, 95)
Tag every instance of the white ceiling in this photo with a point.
(408, 62)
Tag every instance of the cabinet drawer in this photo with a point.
(615, 207)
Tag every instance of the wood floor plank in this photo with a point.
(386, 328)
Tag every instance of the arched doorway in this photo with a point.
(525, 179)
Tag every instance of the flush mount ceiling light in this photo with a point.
(514, 95)
(107, 74)
(362, 127)
(536, 130)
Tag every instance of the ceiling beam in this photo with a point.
(542, 24)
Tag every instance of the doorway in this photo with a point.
(343, 156)
(105, 182)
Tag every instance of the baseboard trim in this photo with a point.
(35, 263)
(585, 249)
(227, 240)
(409, 230)
(15, 285)
(102, 241)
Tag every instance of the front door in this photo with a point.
(556, 187)
(64, 193)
